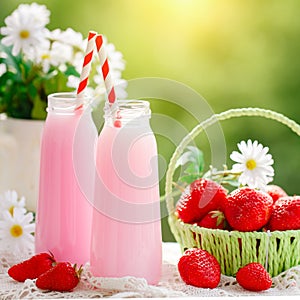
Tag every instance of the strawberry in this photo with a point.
(248, 209)
(286, 214)
(202, 196)
(275, 192)
(254, 277)
(32, 268)
(199, 268)
(63, 277)
(214, 219)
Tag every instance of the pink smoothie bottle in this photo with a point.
(67, 168)
(126, 229)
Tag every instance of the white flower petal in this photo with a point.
(237, 157)
(261, 172)
(238, 168)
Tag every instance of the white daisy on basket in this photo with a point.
(16, 230)
(25, 28)
(254, 163)
(10, 200)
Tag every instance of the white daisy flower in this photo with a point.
(3, 69)
(55, 54)
(16, 230)
(39, 13)
(69, 36)
(23, 29)
(77, 61)
(115, 58)
(254, 163)
(73, 81)
(9, 200)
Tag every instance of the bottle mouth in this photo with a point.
(128, 110)
(66, 102)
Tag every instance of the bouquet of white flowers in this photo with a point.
(35, 62)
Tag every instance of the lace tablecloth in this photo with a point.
(171, 285)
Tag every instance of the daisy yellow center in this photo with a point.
(24, 34)
(11, 210)
(251, 164)
(45, 56)
(16, 230)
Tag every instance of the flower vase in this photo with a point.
(20, 157)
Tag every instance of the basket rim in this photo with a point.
(234, 233)
(225, 115)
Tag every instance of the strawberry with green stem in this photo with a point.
(33, 267)
(201, 197)
(214, 219)
(62, 278)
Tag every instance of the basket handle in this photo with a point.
(231, 113)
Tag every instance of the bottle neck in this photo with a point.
(66, 103)
(129, 113)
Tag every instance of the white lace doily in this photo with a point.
(170, 285)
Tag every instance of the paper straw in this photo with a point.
(86, 67)
(105, 69)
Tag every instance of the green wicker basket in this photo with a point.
(277, 250)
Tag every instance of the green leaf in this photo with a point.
(193, 159)
(194, 155)
(71, 71)
(192, 168)
(18, 105)
(12, 62)
(189, 178)
(55, 82)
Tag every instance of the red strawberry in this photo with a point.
(202, 197)
(254, 277)
(32, 268)
(199, 268)
(248, 209)
(214, 219)
(286, 214)
(275, 192)
(63, 277)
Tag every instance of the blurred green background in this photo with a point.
(234, 53)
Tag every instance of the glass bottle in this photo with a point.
(67, 168)
(126, 229)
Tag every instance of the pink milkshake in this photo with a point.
(126, 232)
(63, 224)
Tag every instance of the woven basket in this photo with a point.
(277, 250)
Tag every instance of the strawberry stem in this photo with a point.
(179, 187)
(79, 272)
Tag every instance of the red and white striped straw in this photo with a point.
(86, 67)
(111, 95)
